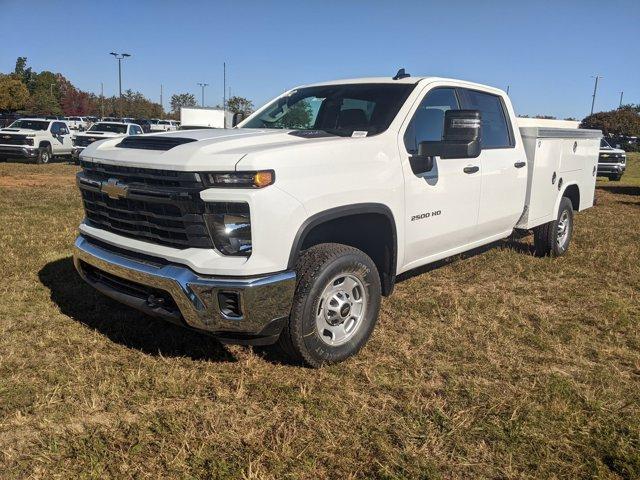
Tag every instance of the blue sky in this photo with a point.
(545, 51)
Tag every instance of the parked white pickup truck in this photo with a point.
(35, 139)
(290, 227)
(100, 131)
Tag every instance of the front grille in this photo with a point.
(160, 206)
(13, 139)
(610, 159)
(85, 141)
(153, 142)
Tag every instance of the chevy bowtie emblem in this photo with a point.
(6, 137)
(114, 189)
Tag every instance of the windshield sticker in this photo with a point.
(359, 134)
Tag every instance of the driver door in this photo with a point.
(441, 205)
(61, 138)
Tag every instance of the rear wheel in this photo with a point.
(615, 178)
(553, 238)
(44, 155)
(335, 307)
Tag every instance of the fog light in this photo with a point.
(229, 303)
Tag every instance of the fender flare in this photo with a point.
(345, 211)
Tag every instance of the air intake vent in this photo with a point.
(153, 142)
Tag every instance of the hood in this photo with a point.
(19, 131)
(100, 134)
(209, 149)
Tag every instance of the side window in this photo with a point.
(427, 123)
(56, 128)
(495, 132)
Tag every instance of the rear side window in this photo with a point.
(427, 124)
(495, 131)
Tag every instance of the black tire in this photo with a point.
(547, 237)
(44, 155)
(318, 269)
(615, 178)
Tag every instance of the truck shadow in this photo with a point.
(620, 189)
(124, 325)
(512, 243)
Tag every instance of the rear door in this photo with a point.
(502, 166)
(441, 206)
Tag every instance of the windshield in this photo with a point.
(604, 143)
(108, 127)
(30, 124)
(338, 109)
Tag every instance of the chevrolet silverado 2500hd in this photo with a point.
(290, 227)
(35, 139)
(612, 162)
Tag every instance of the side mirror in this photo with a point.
(237, 118)
(461, 136)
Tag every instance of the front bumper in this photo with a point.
(195, 301)
(23, 151)
(611, 168)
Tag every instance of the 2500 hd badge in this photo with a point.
(422, 216)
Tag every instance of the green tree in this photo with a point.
(13, 93)
(43, 103)
(182, 100)
(23, 72)
(240, 105)
(623, 121)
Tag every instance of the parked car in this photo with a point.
(158, 125)
(101, 131)
(36, 139)
(612, 162)
(144, 124)
(7, 119)
(78, 123)
(289, 228)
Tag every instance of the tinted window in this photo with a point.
(494, 128)
(30, 124)
(108, 127)
(427, 123)
(58, 128)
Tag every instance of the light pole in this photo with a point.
(119, 57)
(202, 85)
(595, 90)
(621, 94)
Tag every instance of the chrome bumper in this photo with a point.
(19, 150)
(611, 167)
(264, 301)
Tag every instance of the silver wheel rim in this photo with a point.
(563, 229)
(45, 157)
(341, 309)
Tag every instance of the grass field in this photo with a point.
(495, 365)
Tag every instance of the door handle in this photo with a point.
(519, 164)
(470, 169)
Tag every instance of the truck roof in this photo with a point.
(406, 80)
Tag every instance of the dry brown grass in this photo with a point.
(495, 365)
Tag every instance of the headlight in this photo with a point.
(259, 179)
(229, 225)
(28, 141)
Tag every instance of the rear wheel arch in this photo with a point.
(572, 192)
(369, 227)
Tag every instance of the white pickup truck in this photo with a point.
(289, 228)
(35, 139)
(100, 131)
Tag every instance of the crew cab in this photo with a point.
(290, 227)
(101, 131)
(35, 139)
(612, 162)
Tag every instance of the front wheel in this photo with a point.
(335, 306)
(44, 155)
(553, 238)
(615, 178)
